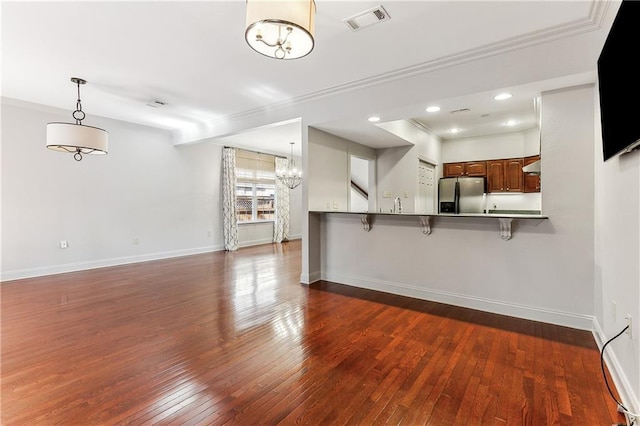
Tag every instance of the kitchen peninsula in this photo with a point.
(425, 220)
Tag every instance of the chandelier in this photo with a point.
(290, 176)
(282, 29)
(76, 137)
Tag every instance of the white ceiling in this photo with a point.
(193, 56)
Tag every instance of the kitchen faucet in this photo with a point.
(397, 205)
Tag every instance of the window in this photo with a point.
(255, 187)
(255, 202)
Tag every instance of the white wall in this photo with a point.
(358, 202)
(328, 170)
(398, 169)
(531, 142)
(514, 201)
(166, 197)
(617, 263)
(493, 147)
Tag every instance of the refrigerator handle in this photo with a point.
(456, 197)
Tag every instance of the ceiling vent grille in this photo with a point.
(366, 19)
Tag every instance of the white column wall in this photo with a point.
(617, 264)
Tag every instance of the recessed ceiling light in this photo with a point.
(454, 130)
(373, 119)
(433, 109)
(511, 122)
(502, 96)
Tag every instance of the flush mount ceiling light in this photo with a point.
(281, 29)
(433, 109)
(511, 123)
(76, 137)
(373, 119)
(290, 176)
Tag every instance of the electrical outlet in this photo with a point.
(406, 194)
(386, 194)
(335, 205)
(64, 244)
(328, 205)
(628, 321)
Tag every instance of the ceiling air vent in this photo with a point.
(367, 18)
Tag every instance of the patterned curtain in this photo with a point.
(281, 224)
(230, 223)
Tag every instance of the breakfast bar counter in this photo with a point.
(505, 218)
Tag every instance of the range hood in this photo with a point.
(533, 168)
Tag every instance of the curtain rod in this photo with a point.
(256, 152)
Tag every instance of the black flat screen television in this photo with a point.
(619, 82)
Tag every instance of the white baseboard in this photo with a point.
(255, 242)
(582, 322)
(82, 266)
(310, 278)
(621, 381)
(265, 241)
(20, 274)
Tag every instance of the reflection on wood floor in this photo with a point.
(233, 338)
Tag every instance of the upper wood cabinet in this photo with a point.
(475, 168)
(495, 176)
(505, 175)
(469, 168)
(531, 181)
(453, 169)
(513, 175)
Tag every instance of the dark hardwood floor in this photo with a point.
(233, 338)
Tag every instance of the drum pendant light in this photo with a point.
(76, 137)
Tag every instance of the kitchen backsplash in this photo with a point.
(511, 201)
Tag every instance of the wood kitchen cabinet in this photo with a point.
(475, 168)
(453, 169)
(505, 175)
(469, 168)
(531, 181)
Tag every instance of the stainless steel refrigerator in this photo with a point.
(462, 195)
